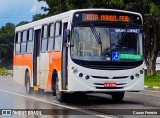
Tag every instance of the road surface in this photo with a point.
(13, 96)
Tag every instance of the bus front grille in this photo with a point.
(117, 77)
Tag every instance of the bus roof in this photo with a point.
(65, 15)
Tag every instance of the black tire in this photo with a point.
(118, 96)
(28, 86)
(60, 96)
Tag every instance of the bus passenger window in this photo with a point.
(57, 44)
(44, 38)
(58, 28)
(19, 37)
(30, 41)
(30, 35)
(24, 36)
(44, 31)
(51, 37)
(51, 30)
(23, 43)
(58, 38)
(17, 43)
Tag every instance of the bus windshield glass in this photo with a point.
(97, 43)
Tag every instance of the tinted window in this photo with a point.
(44, 45)
(29, 47)
(30, 35)
(17, 41)
(30, 41)
(44, 31)
(23, 47)
(57, 44)
(58, 28)
(19, 37)
(24, 38)
(17, 48)
(51, 30)
(50, 44)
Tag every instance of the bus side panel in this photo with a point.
(20, 64)
(18, 69)
(43, 68)
(54, 63)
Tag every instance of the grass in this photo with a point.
(4, 67)
(3, 71)
(152, 80)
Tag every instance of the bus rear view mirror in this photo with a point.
(66, 35)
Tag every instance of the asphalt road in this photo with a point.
(13, 96)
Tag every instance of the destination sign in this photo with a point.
(83, 17)
(105, 17)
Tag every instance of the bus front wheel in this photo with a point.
(117, 96)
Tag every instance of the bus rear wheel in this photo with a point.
(117, 96)
(60, 96)
(28, 86)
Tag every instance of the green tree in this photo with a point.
(22, 23)
(6, 42)
(39, 16)
(59, 6)
(150, 10)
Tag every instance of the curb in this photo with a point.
(154, 87)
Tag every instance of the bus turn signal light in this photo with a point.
(141, 71)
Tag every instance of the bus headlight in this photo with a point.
(132, 77)
(80, 75)
(87, 77)
(137, 75)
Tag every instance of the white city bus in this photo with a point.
(87, 50)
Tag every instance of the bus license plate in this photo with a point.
(109, 84)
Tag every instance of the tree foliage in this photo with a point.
(22, 23)
(38, 17)
(150, 10)
(6, 42)
(59, 6)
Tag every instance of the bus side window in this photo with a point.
(30, 41)
(58, 38)
(23, 42)
(17, 42)
(44, 38)
(51, 37)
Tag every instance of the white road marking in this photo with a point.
(64, 106)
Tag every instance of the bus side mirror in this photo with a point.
(66, 35)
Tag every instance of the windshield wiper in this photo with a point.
(96, 35)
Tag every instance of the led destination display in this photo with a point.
(104, 17)
(107, 16)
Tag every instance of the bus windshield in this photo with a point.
(106, 44)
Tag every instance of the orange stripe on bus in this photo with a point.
(23, 60)
(54, 63)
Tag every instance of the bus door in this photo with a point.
(36, 53)
(64, 57)
(44, 58)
